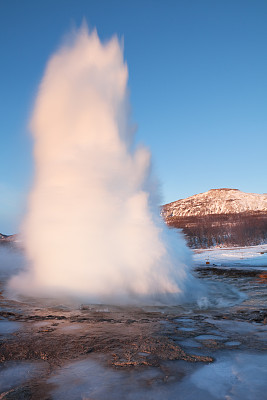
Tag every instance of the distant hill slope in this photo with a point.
(220, 217)
(7, 239)
(217, 201)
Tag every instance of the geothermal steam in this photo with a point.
(92, 228)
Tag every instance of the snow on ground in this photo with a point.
(250, 256)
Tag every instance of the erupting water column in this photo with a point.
(92, 229)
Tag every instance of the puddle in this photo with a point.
(8, 327)
(210, 337)
(186, 329)
(13, 374)
(189, 343)
(233, 343)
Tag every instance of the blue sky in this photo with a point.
(197, 80)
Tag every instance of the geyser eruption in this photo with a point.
(92, 229)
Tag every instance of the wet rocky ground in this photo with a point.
(58, 351)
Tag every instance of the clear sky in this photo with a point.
(197, 79)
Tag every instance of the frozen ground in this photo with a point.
(250, 256)
(207, 351)
(239, 376)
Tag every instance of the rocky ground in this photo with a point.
(39, 340)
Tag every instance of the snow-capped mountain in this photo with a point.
(216, 201)
(220, 217)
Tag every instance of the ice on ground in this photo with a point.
(210, 337)
(241, 327)
(242, 377)
(254, 256)
(13, 374)
(8, 327)
(235, 376)
(186, 329)
(89, 379)
(232, 343)
(189, 343)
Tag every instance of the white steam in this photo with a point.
(92, 229)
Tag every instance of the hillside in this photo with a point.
(7, 239)
(220, 217)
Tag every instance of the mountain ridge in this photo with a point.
(220, 217)
(216, 201)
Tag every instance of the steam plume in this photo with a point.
(92, 228)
